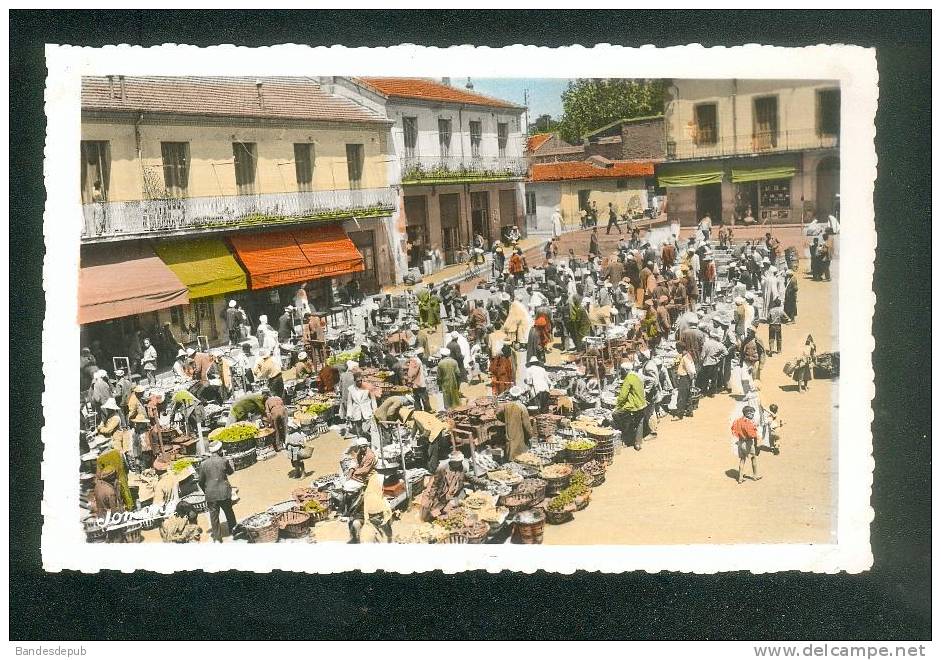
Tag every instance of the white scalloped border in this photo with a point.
(63, 546)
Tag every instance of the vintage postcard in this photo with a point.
(420, 309)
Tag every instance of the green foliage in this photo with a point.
(344, 357)
(180, 464)
(591, 103)
(545, 124)
(316, 408)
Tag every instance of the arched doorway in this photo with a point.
(828, 187)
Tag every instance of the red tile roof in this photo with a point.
(284, 98)
(536, 141)
(430, 90)
(620, 169)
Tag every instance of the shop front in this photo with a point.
(764, 195)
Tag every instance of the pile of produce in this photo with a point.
(531, 458)
(181, 464)
(578, 485)
(237, 433)
(344, 357)
(479, 500)
(561, 501)
(505, 477)
(316, 409)
(313, 507)
(423, 533)
(580, 444)
(453, 521)
(556, 471)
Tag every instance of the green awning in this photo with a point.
(762, 174)
(205, 266)
(680, 180)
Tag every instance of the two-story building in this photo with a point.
(459, 157)
(751, 149)
(198, 190)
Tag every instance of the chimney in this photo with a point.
(261, 96)
(123, 90)
(111, 87)
(446, 81)
(469, 84)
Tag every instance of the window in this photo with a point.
(475, 136)
(706, 132)
(410, 133)
(304, 165)
(444, 138)
(176, 169)
(246, 162)
(621, 184)
(503, 136)
(96, 170)
(766, 122)
(354, 165)
(828, 112)
(530, 203)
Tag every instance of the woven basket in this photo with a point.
(304, 494)
(546, 424)
(265, 438)
(294, 524)
(560, 517)
(244, 459)
(456, 537)
(476, 533)
(534, 488)
(579, 456)
(555, 485)
(529, 526)
(197, 500)
(261, 528)
(517, 502)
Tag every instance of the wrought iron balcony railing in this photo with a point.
(108, 220)
(750, 143)
(434, 169)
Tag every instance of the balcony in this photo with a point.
(750, 144)
(418, 170)
(105, 221)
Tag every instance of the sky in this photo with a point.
(545, 94)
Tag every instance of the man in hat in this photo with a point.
(593, 247)
(708, 277)
(214, 480)
(135, 405)
(181, 365)
(107, 500)
(538, 381)
(745, 435)
(233, 322)
(182, 526)
(295, 444)
(149, 362)
(99, 391)
(193, 413)
(203, 363)
(358, 474)
(518, 425)
(457, 353)
(113, 421)
(269, 369)
(694, 338)
(415, 377)
(630, 406)
(276, 416)
(121, 389)
(449, 379)
(446, 489)
(713, 352)
(314, 337)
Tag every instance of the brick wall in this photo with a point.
(643, 140)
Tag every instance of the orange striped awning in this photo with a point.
(298, 255)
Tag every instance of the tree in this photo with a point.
(590, 103)
(544, 124)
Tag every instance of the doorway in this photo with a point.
(480, 215)
(828, 187)
(365, 242)
(508, 217)
(450, 205)
(709, 200)
(416, 229)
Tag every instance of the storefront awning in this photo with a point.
(205, 266)
(124, 280)
(762, 174)
(684, 179)
(279, 258)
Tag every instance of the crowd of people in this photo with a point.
(680, 332)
